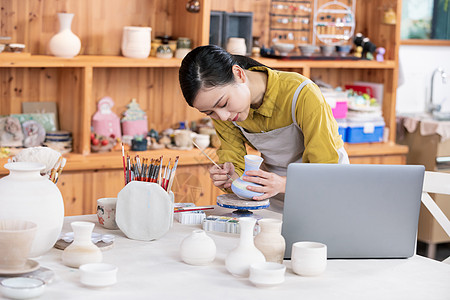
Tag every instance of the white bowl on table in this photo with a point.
(22, 287)
(267, 274)
(98, 274)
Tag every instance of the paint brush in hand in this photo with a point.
(228, 175)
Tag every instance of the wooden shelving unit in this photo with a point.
(77, 84)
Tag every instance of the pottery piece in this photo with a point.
(98, 274)
(106, 212)
(105, 122)
(22, 287)
(26, 195)
(164, 51)
(183, 138)
(144, 210)
(309, 258)
(307, 50)
(283, 48)
(134, 120)
(267, 274)
(202, 140)
(236, 46)
(16, 238)
(270, 241)
(239, 186)
(198, 248)
(65, 43)
(136, 41)
(238, 261)
(82, 250)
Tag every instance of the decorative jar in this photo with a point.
(65, 43)
(239, 186)
(270, 241)
(27, 195)
(198, 248)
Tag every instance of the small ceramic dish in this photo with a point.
(267, 274)
(17, 48)
(22, 287)
(98, 274)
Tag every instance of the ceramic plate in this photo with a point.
(30, 266)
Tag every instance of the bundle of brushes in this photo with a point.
(149, 170)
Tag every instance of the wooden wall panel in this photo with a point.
(98, 23)
(156, 89)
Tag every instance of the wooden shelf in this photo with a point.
(96, 61)
(99, 61)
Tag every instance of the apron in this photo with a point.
(290, 147)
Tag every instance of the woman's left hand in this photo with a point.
(271, 183)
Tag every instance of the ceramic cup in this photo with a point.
(202, 140)
(16, 238)
(106, 212)
(309, 258)
(183, 138)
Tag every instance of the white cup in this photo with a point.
(309, 258)
(106, 212)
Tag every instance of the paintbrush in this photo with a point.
(192, 208)
(228, 175)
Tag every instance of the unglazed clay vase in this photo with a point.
(82, 250)
(238, 261)
(65, 43)
(26, 195)
(270, 241)
(239, 186)
(198, 248)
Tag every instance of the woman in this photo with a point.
(283, 115)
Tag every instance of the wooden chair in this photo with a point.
(438, 183)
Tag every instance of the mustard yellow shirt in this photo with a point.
(313, 115)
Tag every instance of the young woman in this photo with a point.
(283, 115)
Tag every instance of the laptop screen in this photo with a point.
(358, 211)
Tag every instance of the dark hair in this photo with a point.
(209, 66)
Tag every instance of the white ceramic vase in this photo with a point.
(82, 250)
(270, 241)
(26, 195)
(238, 261)
(198, 248)
(65, 43)
(237, 46)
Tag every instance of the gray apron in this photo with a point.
(289, 148)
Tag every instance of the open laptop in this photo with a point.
(358, 211)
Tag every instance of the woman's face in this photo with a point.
(227, 103)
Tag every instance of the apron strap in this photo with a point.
(295, 98)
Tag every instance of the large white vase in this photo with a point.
(238, 261)
(65, 43)
(27, 195)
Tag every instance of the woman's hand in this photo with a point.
(271, 183)
(222, 178)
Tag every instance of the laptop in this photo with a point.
(358, 211)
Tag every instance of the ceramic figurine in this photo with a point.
(238, 261)
(380, 53)
(239, 186)
(270, 241)
(104, 121)
(134, 120)
(82, 250)
(65, 43)
(358, 51)
(198, 248)
(10, 132)
(29, 196)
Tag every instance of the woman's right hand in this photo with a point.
(220, 177)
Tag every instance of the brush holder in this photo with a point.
(239, 186)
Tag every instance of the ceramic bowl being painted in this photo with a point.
(267, 274)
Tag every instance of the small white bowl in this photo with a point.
(22, 287)
(202, 140)
(98, 274)
(284, 48)
(267, 274)
(307, 50)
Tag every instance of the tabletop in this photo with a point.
(154, 270)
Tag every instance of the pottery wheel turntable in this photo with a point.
(242, 206)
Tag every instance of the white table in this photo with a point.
(154, 270)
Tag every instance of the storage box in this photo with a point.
(342, 129)
(365, 131)
(338, 102)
